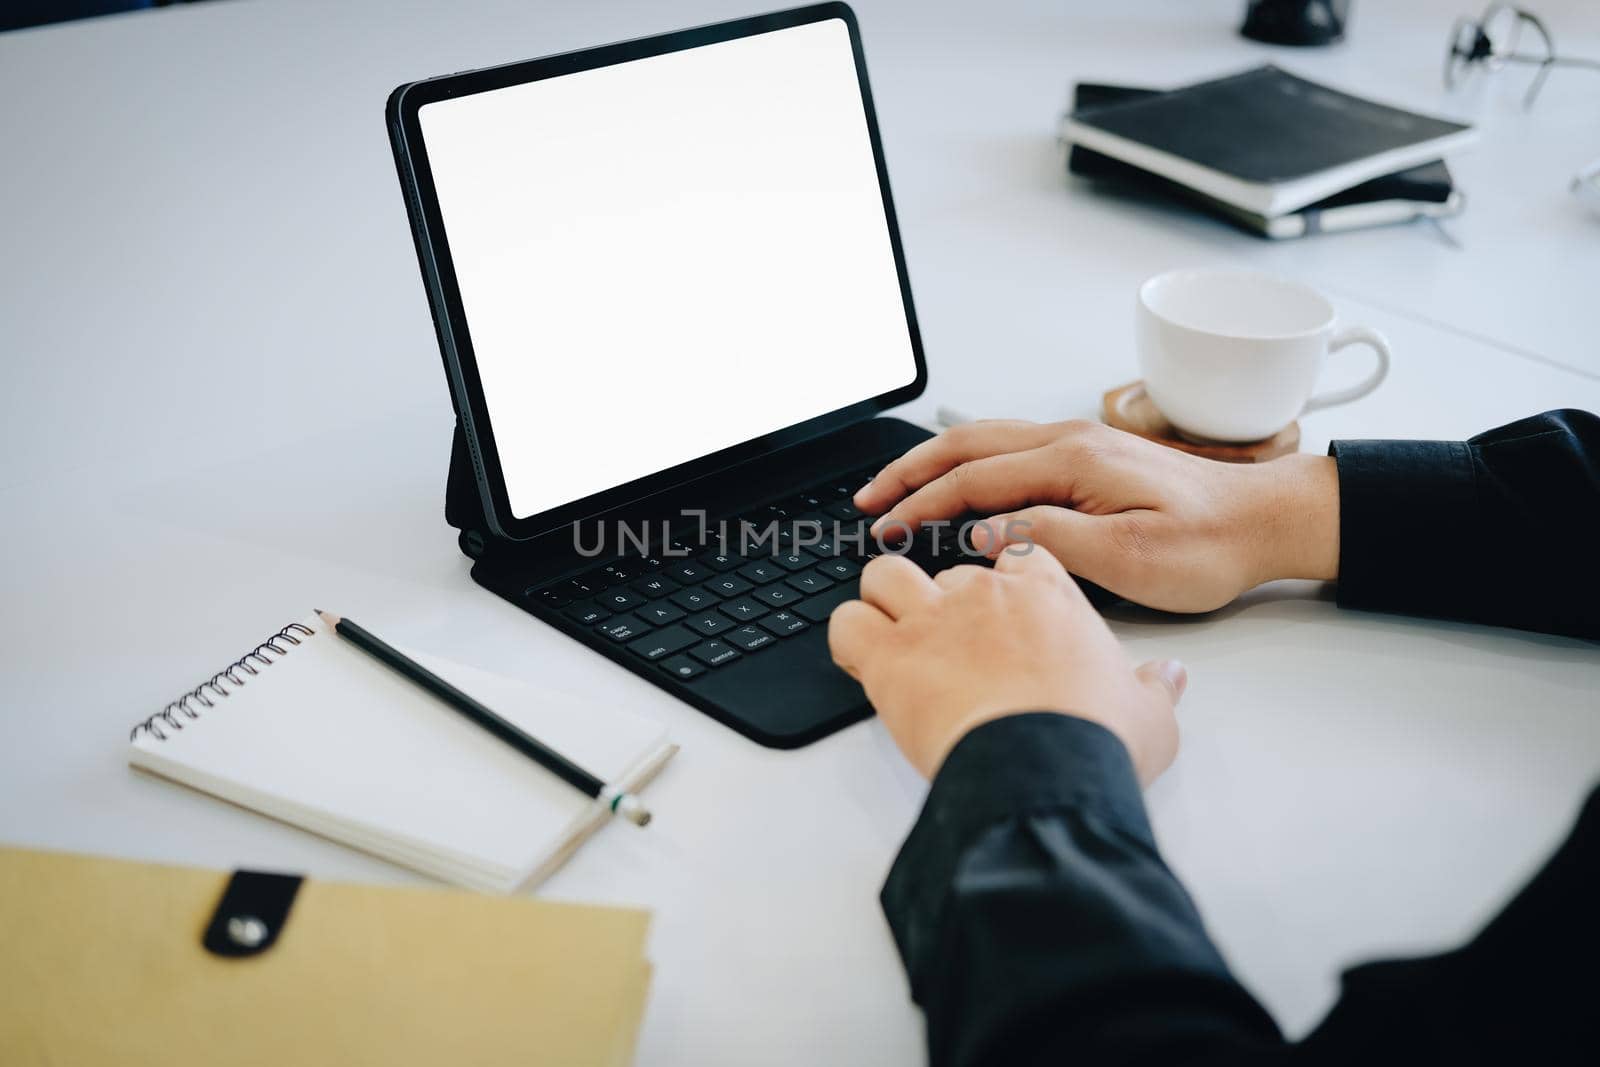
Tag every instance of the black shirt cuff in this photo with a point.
(1407, 515)
(1017, 765)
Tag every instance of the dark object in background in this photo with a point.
(1296, 22)
(19, 14)
(1425, 191)
(1265, 140)
(1493, 41)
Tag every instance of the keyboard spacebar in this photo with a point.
(818, 608)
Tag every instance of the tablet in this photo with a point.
(653, 260)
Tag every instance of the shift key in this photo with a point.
(818, 608)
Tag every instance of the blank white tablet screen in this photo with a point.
(665, 257)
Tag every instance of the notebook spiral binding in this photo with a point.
(206, 692)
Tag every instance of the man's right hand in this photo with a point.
(1152, 524)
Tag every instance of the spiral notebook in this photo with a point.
(310, 730)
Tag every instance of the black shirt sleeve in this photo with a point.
(1503, 528)
(1039, 925)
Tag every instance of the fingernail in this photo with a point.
(981, 537)
(1175, 674)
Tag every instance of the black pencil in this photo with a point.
(625, 804)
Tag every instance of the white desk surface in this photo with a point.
(224, 407)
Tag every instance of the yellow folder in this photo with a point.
(102, 962)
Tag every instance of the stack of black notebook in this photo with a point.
(1276, 154)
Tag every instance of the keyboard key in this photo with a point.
(951, 536)
(762, 571)
(749, 638)
(853, 538)
(933, 565)
(707, 624)
(824, 546)
(623, 628)
(651, 563)
(599, 578)
(751, 534)
(714, 653)
(939, 549)
(682, 667)
(663, 642)
(619, 599)
(655, 586)
(795, 561)
(806, 530)
(687, 573)
(783, 623)
(777, 596)
(743, 609)
(586, 612)
(622, 571)
(660, 613)
(578, 587)
(844, 486)
(728, 585)
(810, 582)
(843, 509)
(839, 569)
(718, 561)
(694, 599)
(810, 500)
(553, 598)
(818, 608)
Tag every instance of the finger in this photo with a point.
(1086, 545)
(984, 485)
(956, 577)
(1157, 747)
(854, 630)
(896, 586)
(1166, 678)
(936, 456)
(1015, 529)
(1034, 563)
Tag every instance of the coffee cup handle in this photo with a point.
(1353, 336)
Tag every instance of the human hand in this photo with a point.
(940, 656)
(1149, 523)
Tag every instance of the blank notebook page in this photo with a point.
(332, 740)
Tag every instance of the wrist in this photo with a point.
(931, 760)
(1296, 508)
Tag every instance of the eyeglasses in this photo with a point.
(1505, 36)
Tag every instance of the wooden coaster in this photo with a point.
(1128, 407)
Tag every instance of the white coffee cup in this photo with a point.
(1232, 355)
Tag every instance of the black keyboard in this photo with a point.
(732, 616)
